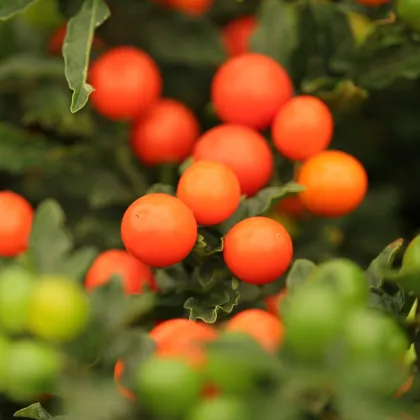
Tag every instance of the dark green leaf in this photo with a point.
(299, 272)
(27, 66)
(34, 411)
(185, 165)
(108, 190)
(388, 55)
(77, 46)
(382, 263)
(50, 242)
(39, 153)
(161, 188)
(241, 213)
(208, 243)
(187, 46)
(381, 300)
(171, 278)
(209, 274)
(207, 308)
(10, 8)
(77, 264)
(277, 33)
(267, 198)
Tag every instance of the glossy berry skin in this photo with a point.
(211, 190)
(16, 216)
(237, 33)
(258, 250)
(302, 128)
(244, 150)
(250, 89)
(127, 82)
(159, 230)
(336, 183)
(118, 374)
(134, 274)
(262, 326)
(165, 134)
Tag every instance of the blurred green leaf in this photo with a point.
(77, 263)
(382, 263)
(161, 188)
(207, 307)
(10, 8)
(77, 46)
(241, 213)
(50, 241)
(299, 272)
(34, 411)
(277, 33)
(268, 197)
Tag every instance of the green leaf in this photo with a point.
(161, 188)
(171, 278)
(207, 307)
(382, 263)
(50, 242)
(277, 33)
(34, 411)
(24, 66)
(241, 213)
(185, 165)
(77, 46)
(10, 8)
(187, 46)
(77, 264)
(208, 243)
(39, 153)
(268, 197)
(381, 300)
(387, 56)
(108, 190)
(209, 274)
(299, 272)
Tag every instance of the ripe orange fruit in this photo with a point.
(272, 303)
(118, 373)
(183, 339)
(335, 182)
(258, 250)
(159, 230)
(134, 273)
(127, 82)
(16, 216)
(250, 89)
(302, 128)
(262, 326)
(211, 190)
(237, 33)
(165, 134)
(244, 150)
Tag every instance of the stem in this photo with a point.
(167, 174)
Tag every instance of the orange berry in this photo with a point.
(262, 326)
(258, 250)
(273, 303)
(250, 89)
(237, 33)
(336, 183)
(134, 273)
(292, 206)
(302, 128)
(211, 190)
(118, 373)
(165, 134)
(16, 216)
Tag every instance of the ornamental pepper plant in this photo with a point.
(209, 209)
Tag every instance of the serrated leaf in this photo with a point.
(211, 272)
(208, 243)
(50, 242)
(9, 8)
(209, 306)
(277, 33)
(77, 264)
(299, 272)
(268, 197)
(382, 263)
(77, 47)
(34, 411)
